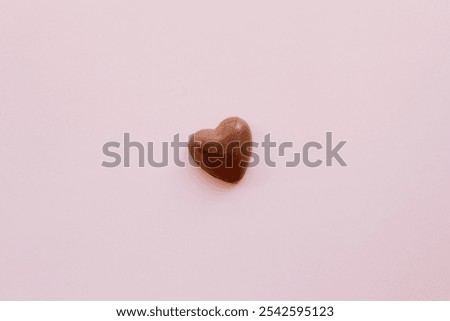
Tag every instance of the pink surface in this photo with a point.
(76, 74)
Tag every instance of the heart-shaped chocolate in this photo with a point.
(223, 152)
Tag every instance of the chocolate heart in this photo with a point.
(223, 152)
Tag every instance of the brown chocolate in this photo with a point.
(223, 152)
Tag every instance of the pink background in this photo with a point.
(76, 74)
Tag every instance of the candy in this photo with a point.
(223, 152)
